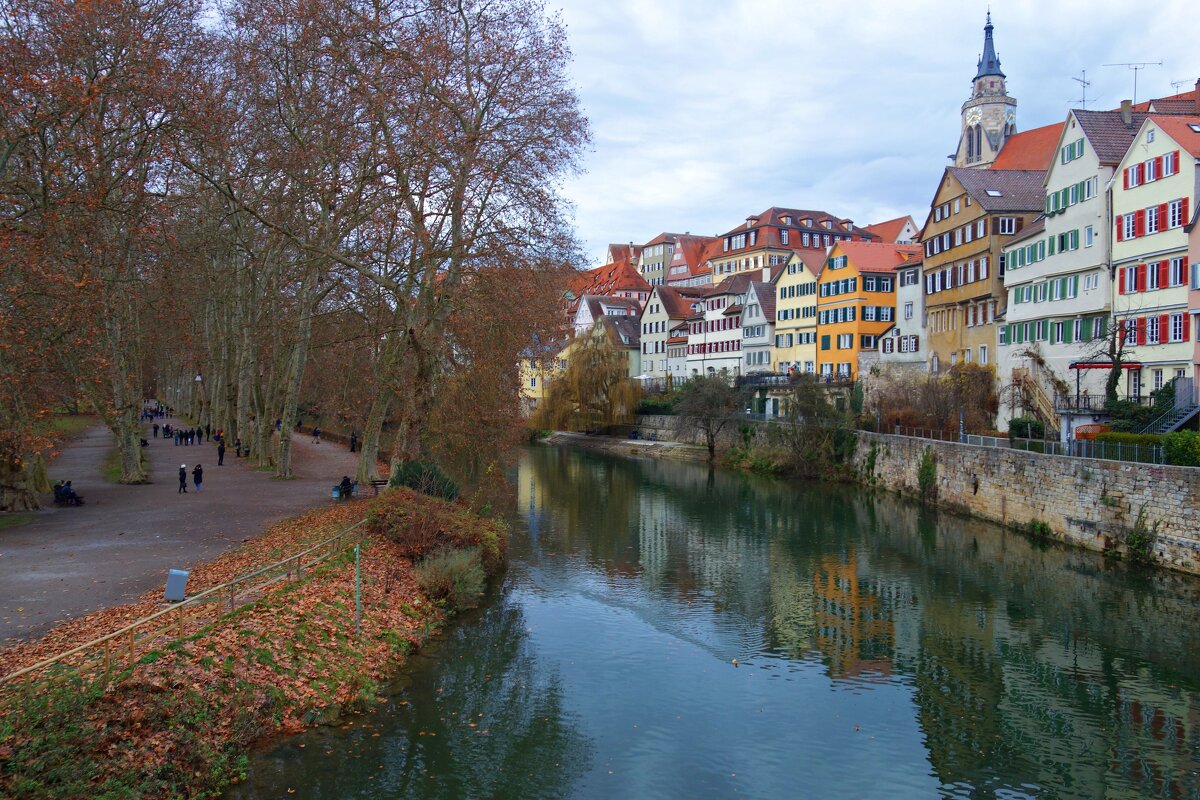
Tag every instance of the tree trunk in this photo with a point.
(16, 487)
(369, 453)
(291, 399)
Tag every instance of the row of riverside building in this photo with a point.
(1040, 250)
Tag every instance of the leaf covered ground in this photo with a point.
(177, 722)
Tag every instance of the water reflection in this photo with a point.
(881, 651)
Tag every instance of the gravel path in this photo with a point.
(73, 560)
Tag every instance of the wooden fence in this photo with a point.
(106, 655)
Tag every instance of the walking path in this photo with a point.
(74, 560)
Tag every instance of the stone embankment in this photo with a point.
(1086, 502)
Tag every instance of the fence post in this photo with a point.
(357, 591)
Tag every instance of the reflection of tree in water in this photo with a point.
(485, 722)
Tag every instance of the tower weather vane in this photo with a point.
(1136, 66)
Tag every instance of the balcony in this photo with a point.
(1085, 403)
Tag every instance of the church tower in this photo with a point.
(989, 117)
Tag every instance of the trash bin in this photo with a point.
(176, 585)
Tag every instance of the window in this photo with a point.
(1177, 327)
(979, 230)
(1152, 219)
(845, 341)
(1008, 225)
(1148, 171)
(783, 236)
(1152, 332)
(867, 342)
(1175, 271)
(908, 310)
(1128, 224)
(1175, 214)
(1089, 236)
(1170, 164)
(983, 354)
(1158, 379)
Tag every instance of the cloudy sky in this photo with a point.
(704, 112)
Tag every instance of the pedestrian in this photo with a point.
(155, 426)
(208, 432)
(353, 441)
(178, 437)
(316, 435)
(220, 454)
(237, 443)
(198, 476)
(182, 479)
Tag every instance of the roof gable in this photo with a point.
(1029, 150)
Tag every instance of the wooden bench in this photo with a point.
(378, 484)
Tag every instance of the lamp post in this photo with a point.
(199, 380)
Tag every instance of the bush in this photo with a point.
(661, 406)
(927, 475)
(423, 525)
(1182, 448)
(1140, 539)
(1026, 428)
(425, 478)
(1130, 438)
(456, 577)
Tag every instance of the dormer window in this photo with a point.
(786, 220)
(828, 224)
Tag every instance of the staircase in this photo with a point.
(1034, 396)
(1172, 420)
(1181, 413)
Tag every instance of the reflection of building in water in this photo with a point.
(853, 630)
(793, 603)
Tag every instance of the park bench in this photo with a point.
(378, 484)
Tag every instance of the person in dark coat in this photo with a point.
(198, 476)
(353, 441)
(155, 426)
(237, 444)
(220, 454)
(182, 479)
(345, 488)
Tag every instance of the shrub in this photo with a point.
(426, 478)
(1182, 448)
(1124, 437)
(422, 525)
(456, 577)
(662, 406)
(1026, 428)
(1140, 539)
(927, 475)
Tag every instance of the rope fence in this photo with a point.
(121, 648)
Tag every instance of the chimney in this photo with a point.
(1127, 113)
(1198, 95)
(766, 275)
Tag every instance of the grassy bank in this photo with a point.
(178, 722)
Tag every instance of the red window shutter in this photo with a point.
(1176, 162)
(1164, 275)
(1120, 232)
(1140, 278)
(1162, 217)
(1141, 330)
(1164, 328)
(1187, 322)
(1139, 222)
(1121, 280)
(1127, 169)
(1141, 173)
(1187, 217)
(1158, 166)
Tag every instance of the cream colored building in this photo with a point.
(667, 307)
(1153, 193)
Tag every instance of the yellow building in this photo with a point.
(796, 314)
(856, 302)
(537, 373)
(973, 215)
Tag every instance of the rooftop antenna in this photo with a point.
(1083, 84)
(1176, 84)
(1136, 66)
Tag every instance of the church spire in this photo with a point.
(989, 62)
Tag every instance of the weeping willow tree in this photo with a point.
(595, 389)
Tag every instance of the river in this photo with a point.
(664, 630)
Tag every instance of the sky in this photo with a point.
(705, 112)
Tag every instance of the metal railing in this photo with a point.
(123, 647)
(1076, 448)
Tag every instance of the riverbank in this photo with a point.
(180, 720)
(1139, 512)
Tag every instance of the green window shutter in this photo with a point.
(1052, 244)
(1047, 205)
(1075, 240)
(1069, 331)
(1085, 330)
(1075, 285)
(1080, 143)
(1082, 188)
(1062, 287)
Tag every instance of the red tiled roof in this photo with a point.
(879, 256)
(618, 276)
(1180, 129)
(1032, 149)
(889, 231)
(677, 300)
(772, 218)
(1173, 104)
(766, 299)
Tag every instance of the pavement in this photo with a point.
(69, 561)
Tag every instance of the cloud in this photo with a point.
(705, 112)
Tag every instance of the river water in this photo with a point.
(664, 630)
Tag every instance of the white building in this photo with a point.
(904, 344)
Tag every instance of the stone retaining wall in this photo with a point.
(1086, 502)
